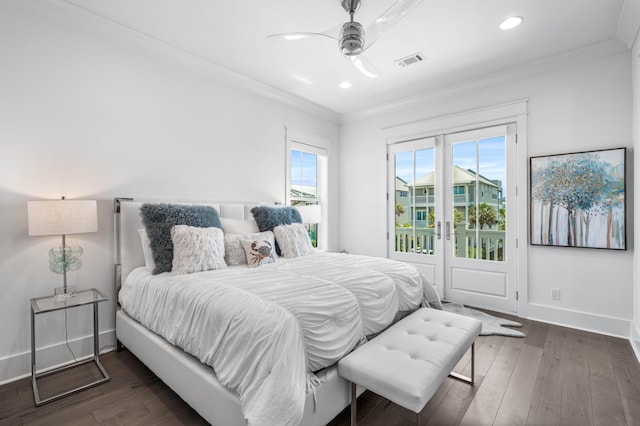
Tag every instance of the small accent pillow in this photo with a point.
(158, 219)
(234, 253)
(196, 249)
(238, 226)
(293, 240)
(146, 249)
(258, 252)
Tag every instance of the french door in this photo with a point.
(453, 212)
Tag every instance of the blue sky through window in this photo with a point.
(425, 161)
(304, 172)
(491, 155)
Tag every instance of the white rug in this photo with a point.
(490, 324)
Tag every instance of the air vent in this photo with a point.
(409, 60)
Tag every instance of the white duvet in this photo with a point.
(263, 329)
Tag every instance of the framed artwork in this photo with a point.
(578, 199)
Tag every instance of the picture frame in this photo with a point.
(579, 199)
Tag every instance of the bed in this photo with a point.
(293, 319)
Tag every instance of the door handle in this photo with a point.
(439, 230)
(448, 230)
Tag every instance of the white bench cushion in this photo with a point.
(409, 361)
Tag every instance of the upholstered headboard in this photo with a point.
(128, 248)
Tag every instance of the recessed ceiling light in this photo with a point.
(511, 22)
(345, 85)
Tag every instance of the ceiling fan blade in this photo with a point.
(388, 19)
(364, 65)
(293, 36)
(333, 33)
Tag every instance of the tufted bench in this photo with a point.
(409, 361)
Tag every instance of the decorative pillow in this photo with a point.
(258, 252)
(268, 217)
(158, 219)
(196, 249)
(234, 253)
(238, 226)
(293, 240)
(146, 249)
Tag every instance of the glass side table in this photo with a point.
(43, 305)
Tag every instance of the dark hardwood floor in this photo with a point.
(554, 376)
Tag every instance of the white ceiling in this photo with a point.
(460, 40)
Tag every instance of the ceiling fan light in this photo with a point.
(351, 39)
(511, 22)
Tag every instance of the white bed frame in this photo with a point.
(195, 382)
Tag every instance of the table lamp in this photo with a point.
(63, 217)
(311, 215)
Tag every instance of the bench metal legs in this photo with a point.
(453, 374)
(354, 404)
(463, 378)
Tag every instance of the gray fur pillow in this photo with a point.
(268, 218)
(158, 219)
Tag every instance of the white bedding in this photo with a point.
(263, 329)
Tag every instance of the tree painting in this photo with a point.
(578, 200)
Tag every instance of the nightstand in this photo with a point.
(43, 305)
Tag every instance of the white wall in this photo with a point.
(635, 327)
(91, 110)
(581, 101)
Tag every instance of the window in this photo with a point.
(307, 174)
(304, 178)
(458, 190)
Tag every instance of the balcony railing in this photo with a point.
(483, 244)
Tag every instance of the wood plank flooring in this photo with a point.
(554, 376)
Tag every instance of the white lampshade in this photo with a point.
(310, 214)
(62, 217)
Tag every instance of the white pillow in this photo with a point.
(238, 226)
(234, 253)
(146, 249)
(196, 249)
(293, 240)
(259, 252)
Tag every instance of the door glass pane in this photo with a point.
(479, 215)
(493, 177)
(415, 201)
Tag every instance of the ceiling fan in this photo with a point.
(351, 35)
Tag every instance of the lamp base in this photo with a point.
(64, 293)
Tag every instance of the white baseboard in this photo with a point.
(18, 366)
(611, 326)
(635, 339)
